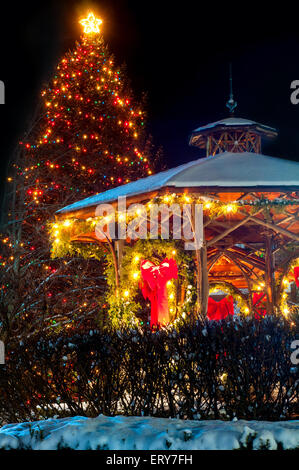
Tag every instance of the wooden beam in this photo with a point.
(275, 228)
(249, 259)
(288, 218)
(231, 229)
(223, 277)
(214, 260)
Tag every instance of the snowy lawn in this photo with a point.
(145, 433)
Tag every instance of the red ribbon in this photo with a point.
(153, 285)
(296, 275)
(259, 299)
(220, 310)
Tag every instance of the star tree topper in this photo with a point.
(91, 24)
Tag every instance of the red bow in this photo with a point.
(296, 275)
(259, 299)
(220, 310)
(154, 287)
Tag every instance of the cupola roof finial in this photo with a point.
(231, 103)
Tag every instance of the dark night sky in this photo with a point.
(177, 52)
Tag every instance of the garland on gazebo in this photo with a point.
(62, 232)
(123, 302)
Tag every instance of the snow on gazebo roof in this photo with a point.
(236, 122)
(226, 170)
(232, 123)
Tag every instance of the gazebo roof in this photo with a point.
(235, 122)
(226, 171)
(231, 123)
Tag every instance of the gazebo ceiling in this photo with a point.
(226, 172)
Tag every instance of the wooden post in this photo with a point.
(198, 281)
(269, 277)
(120, 251)
(293, 292)
(202, 279)
(115, 267)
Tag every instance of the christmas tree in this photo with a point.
(88, 136)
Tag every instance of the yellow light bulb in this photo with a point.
(286, 311)
(67, 223)
(126, 293)
(223, 377)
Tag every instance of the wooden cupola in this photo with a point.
(232, 134)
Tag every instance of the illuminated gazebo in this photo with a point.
(250, 215)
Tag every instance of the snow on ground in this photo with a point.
(145, 433)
